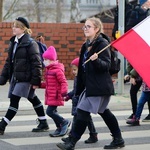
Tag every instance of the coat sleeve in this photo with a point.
(131, 71)
(36, 64)
(63, 81)
(5, 74)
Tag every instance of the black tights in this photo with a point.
(90, 124)
(83, 117)
(111, 123)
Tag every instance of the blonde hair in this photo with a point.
(97, 24)
(22, 26)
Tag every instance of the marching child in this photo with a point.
(71, 95)
(56, 87)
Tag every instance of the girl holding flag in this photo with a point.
(94, 86)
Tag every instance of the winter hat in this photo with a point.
(50, 53)
(75, 62)
(24, 21)
(142, 2)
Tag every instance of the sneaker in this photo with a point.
(56, 133)
(64, 127)
(133, 122)
(130, 117)
(147, 118)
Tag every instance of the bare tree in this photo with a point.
(59, 10)
(38, 10)
(10, 10)
(75, 11)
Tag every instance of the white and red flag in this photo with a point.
(134, 45)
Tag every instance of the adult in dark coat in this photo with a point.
(23, 69)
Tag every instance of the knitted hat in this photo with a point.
(142, 2)
(75, 62)
(24, 21)
(50, 53)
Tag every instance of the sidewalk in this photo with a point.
(118, 102)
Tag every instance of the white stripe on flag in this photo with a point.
(143, 30)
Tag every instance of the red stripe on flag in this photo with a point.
(136, 51)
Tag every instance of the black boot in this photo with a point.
(68, 145)
(67, 139)
(117, 142)
(92, 139)
(3, 125)
(43, 126)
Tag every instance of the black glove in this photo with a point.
(2, 80)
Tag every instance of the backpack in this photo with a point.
(137, 15)
(42, 49)
(115, 61)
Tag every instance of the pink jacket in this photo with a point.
(55, 84)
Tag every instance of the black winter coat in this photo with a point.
(26, 65)
(96, 78)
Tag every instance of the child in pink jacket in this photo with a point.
(56, 88)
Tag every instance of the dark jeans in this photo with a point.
(53, 113)
(145, 97)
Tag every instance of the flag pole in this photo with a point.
(97, 53)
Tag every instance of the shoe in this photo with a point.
(56, 133)
(116, 143)
(64, 127)
(43, 126)
(3, 125)
(68, 146)
(92, 139)
(133, 122)
(65, 140)
(130, 117)
(147, 118)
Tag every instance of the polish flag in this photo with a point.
(134, 45)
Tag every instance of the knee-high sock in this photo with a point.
(38, 107)
(13, 108)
